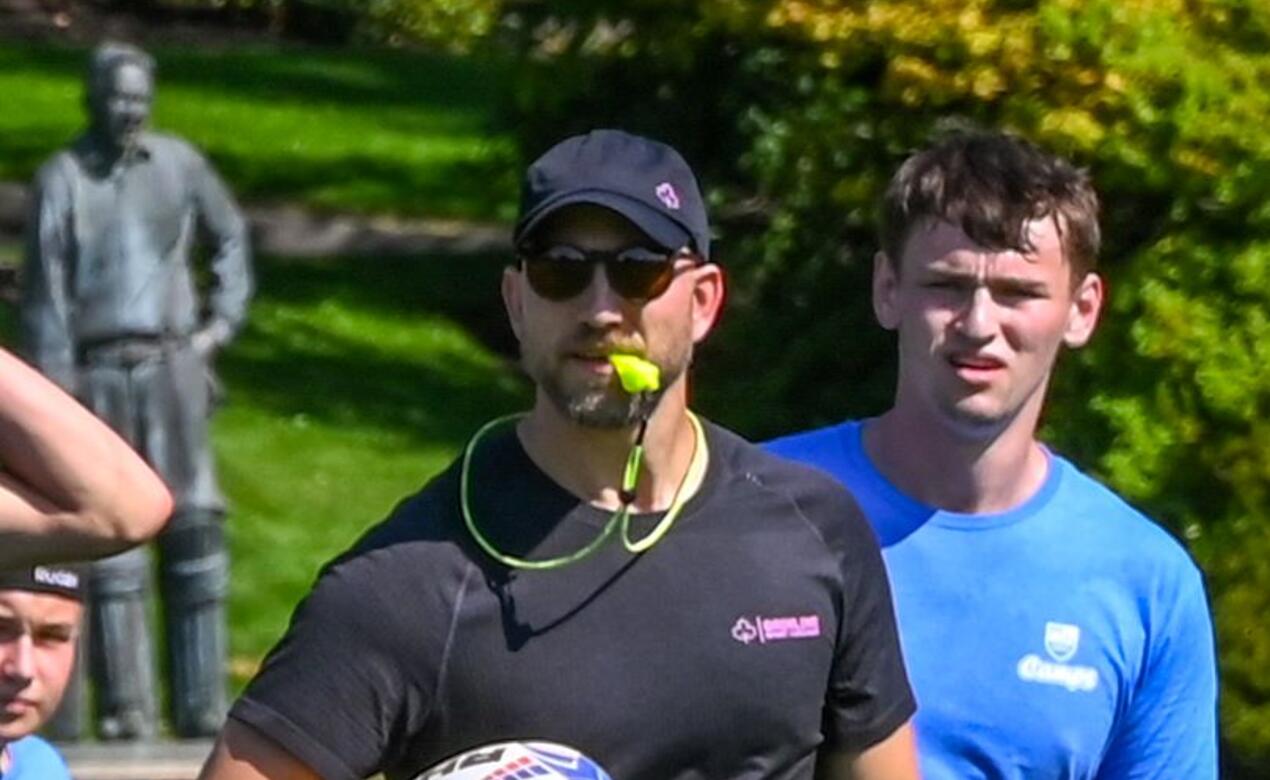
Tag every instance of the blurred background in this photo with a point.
(377, 143)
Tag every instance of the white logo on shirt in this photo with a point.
(744, 631)
(1061, 643)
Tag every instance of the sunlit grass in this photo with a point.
(356, 381)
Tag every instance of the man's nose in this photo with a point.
(17, 659)
(977, 318)
(602, 304)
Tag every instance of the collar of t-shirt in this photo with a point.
(895, 514)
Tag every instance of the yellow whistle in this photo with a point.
(636, 374)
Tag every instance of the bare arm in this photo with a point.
(242, 753)
(70, 488)
(894, 758)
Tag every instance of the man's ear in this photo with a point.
(885, 282)
(513, 298)
(1082, 318)
(708, 293)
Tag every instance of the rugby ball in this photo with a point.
(516, 760)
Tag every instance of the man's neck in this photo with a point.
(6, 760)
(939, 466)
(589, 462)
(108, 152)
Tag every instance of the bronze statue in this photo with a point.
(111, 311)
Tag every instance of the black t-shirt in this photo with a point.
(759, 628)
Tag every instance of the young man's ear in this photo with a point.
(1087, 300)
(885, 281)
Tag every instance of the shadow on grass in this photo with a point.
(368, 380)
(474, 188)
(348, 76)
(24, 151)
(373, 130)
(378, 185)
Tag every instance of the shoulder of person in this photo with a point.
(821, 447)
(174, 147)
(422, 527)
(822, 500)
(768, 465)
(1110, 521)
(59, 167)
(34, 752)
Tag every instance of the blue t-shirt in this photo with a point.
(31, 758)
(1066, 638)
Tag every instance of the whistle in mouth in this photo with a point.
(636, 374)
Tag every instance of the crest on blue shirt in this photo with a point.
(1061, 640)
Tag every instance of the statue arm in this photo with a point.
(70, 488)
(231, 262)
(47, 336)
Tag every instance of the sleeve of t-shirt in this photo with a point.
(35, 758)
(1170, 726)
(869, 695)
(335, 692)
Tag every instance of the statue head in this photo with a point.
(120, 90)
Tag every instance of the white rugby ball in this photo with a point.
(516, 760)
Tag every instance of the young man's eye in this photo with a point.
(1023, 293)
(53, 638)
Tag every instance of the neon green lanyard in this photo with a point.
(621, 517)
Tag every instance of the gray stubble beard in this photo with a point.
(607, 408)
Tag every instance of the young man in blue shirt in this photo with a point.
(40, 612)
(1050, 630)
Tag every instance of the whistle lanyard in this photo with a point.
(620, 517)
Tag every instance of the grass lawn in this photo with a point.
(356, 130)
(356, 381)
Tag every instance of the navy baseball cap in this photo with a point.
(60, 580)
(645, 181)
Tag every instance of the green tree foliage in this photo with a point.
(797, 112)
(443, 24)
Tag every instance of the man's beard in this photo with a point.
(609, 406)
(603, 407)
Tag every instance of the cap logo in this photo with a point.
(58, 578)
(667, 195)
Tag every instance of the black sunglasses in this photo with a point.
(636, 273)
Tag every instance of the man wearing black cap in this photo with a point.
(40, 612)
(70, 489)
(607, 571)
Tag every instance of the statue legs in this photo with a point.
(160, 404)
(195, 576)
(119, 647)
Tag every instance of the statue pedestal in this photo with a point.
(160, 760)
